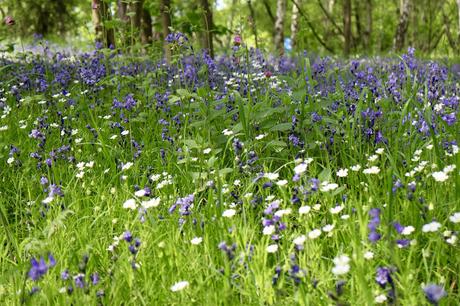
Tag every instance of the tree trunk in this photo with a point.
(135, 9)
(100, 11)
(208, 26)
(252, 22)
(403, 24)
(146, 28)
(368, 28)
(458, 33)
(347, 26)
(359, 30)
(279, 26)
(295, 24)
(165, 6)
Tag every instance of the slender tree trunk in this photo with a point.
(359, 29)
(252, 22)
(135, 9)
(269, 11)
(208, 25)
(458, 33)
(100, 12)
(403, 25)
(146, 27)
(347, 26)
(295, 24)
(165, 6)
(279, 26)
(368, 28)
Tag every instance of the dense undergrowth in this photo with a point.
(238, 180)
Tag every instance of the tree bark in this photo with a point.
(295, 24)
(347, 26)
(100, 12)
(279, 26)
(252, 22)
(458, 33)
(135, 9)
(403, 25)
(208, 26)
(146, 27)
(368, 28)
(165, 6)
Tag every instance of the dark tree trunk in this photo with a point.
(146, 28)
(279, 26)
(347, 26)
(359, 29)
(368, 28)
(165, 6)
(135, 10)
(208, 26)
(101, 12)
(403, 25)
(252, 22)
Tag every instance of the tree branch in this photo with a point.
(330, 18)
(312, 28)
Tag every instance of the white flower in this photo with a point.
(261, 136)
(380, 299)
(227, 132)
(207, 151)
(408, 230)
(304, 210)
(140, 193)
(368, 255)
(229, 213)
(449, 169)
(125, 132)
(336, 209)
(151, 203)
(127, 166)
(179, 286)
(283, 212)
(299, 240)
(80, 174)
(431, 227)
(196, 240)
(314, 234)
(455, 218)
(372, 170)
(326, 186)
(271, 176)
(328, 228)
(379, 151)
(342, 173)
(48, 200)
(282, 183)
(355, 168)
(341, 265)
(268, 230)
(272, 248)
(373, 158)
(300, 168)
(440, 176)
(130, 204)
(10, 160)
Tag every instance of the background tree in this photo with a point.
(279, 26)
(403, 24)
